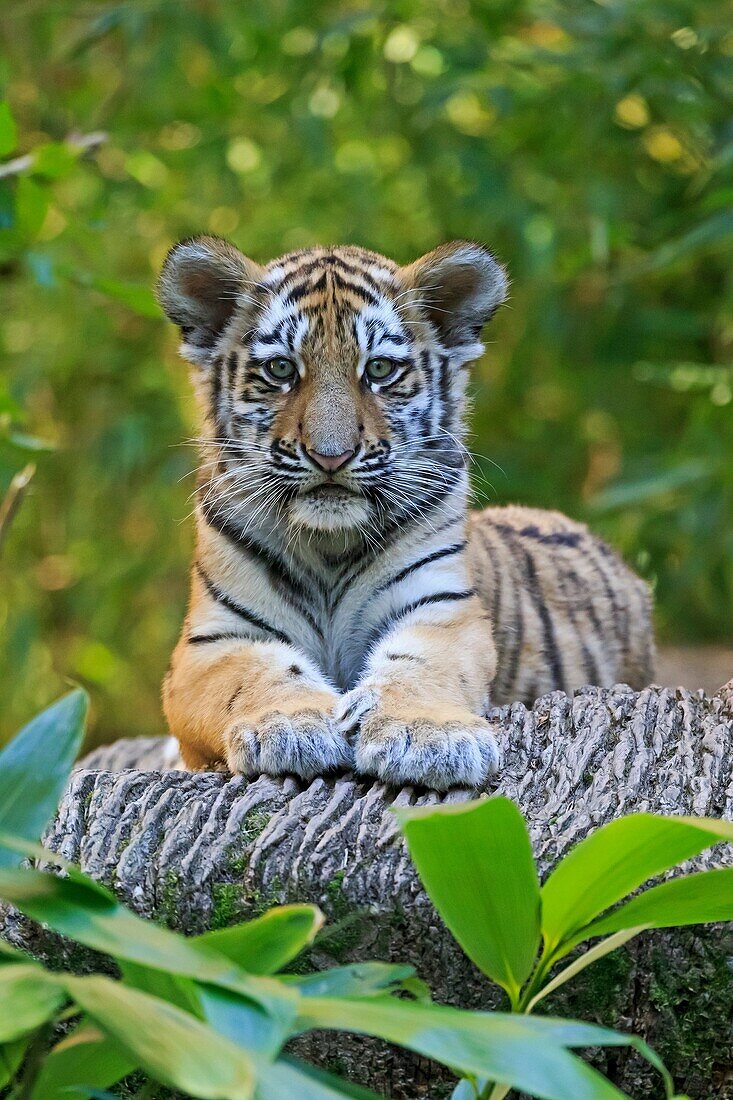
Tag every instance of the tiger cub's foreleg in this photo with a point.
(420, 702)
(254, 707)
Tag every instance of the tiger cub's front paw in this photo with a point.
(457, 749)
(306, 743)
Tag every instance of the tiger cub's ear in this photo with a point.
(203, 281)
(459, 286)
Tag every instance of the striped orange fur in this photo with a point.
(347, 609)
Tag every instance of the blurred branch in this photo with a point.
(13, 499)
(79, 143)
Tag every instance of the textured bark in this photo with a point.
(203, 850)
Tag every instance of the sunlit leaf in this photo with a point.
(266, 944)
(615, 859)
(171, 1045)
(475, 860)
(700, 898)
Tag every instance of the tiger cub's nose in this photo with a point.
(330, 463)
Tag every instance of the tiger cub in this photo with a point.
(346, 610)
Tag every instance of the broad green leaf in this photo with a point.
(475, 860)
(286, 1078)
(237, 1018)
(701, 898)
(369, 979)
(265, 945)
(86, 1057)
(169, 1044)
(8, 130)
(516, 1050)
(88, 913)
(28, 998)
(605, 947)
(174, 988)
(614, 860)
(29, 793)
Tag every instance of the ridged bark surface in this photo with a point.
(202, 850)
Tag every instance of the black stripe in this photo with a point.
(231, 605)
(549, 645)
(277, 570)
(394, 617)
(217, 370)
(203, 639)
(446, 552)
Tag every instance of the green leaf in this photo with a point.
(265, 945)
(54, 160)
(237, 1018)
(169, 1044)
(8, 130)
(31, 205)
(475, 860)
(29, 793)
(86, 912)
(86, 1057)
(466, 1090)
(29, 997)
(174, 988)
(701, 898)
(519, 1051)
(286, 1078)
(605, 947)
(11, 1058)
(614, 860)
(357, 980)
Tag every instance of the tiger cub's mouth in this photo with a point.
(329, 490)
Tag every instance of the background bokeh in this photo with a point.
(590, 144)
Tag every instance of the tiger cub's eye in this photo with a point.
(281, 369)
(379, 370)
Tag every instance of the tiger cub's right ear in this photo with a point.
(203, 281)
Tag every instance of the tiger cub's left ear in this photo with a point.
(459, 286)
(203, 282)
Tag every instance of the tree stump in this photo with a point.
(202, 850)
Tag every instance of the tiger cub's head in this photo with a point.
(330, 380)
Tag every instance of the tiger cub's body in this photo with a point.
(346, 609)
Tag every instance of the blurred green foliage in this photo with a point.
(590, 143)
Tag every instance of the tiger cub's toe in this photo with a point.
(458, 753)
(305, 744)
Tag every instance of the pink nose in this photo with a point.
(330, 463)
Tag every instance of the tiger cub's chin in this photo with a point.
(330, 511)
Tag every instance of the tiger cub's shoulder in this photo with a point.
(553, 587)
(552, 548)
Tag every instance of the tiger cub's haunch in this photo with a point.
(346, 609)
